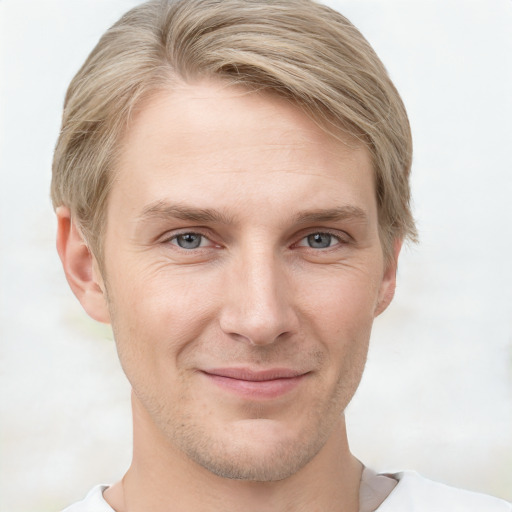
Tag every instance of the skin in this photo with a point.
(286, 278)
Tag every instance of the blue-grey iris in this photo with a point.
(319, 240)
(189, 240)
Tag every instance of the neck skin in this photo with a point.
(162, 477)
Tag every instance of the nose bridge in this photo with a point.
(257, 305)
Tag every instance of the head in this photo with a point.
(236, 176)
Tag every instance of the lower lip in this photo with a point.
(257, 389)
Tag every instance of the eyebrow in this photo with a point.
(341, 213)
(165, 210)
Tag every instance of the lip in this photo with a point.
(256, 384)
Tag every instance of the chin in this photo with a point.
(258, 450)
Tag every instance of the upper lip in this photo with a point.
(254, 375)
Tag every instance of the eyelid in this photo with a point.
(341, 236)
(173, 235)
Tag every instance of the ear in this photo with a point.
(388, 284)
(81, 267)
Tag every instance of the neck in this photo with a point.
(162, 477)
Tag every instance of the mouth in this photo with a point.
(260, 384)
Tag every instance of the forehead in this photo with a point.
(225, 147)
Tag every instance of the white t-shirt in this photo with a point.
(412, 493)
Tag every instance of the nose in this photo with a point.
(258, 300)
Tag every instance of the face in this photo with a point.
(243, 270)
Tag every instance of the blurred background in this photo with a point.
(437, 391)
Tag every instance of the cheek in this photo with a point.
(342, 301)
(156, 315)
(340, 314)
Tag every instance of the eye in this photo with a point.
(190, 240)
(319, 241)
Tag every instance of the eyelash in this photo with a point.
(341, 239)
(176, 236)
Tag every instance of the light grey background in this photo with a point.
(436, 395)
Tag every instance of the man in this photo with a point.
(231, 186)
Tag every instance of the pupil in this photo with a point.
(189, 241)
(319, 240)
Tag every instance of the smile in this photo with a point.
(266, 384)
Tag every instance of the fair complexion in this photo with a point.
(242, 272)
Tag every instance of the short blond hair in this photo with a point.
(298, 49)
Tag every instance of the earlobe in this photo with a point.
(388, 284)
(80, 267)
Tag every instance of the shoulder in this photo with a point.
(93, 502)
(414, 493)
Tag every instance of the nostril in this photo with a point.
(256, 329)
